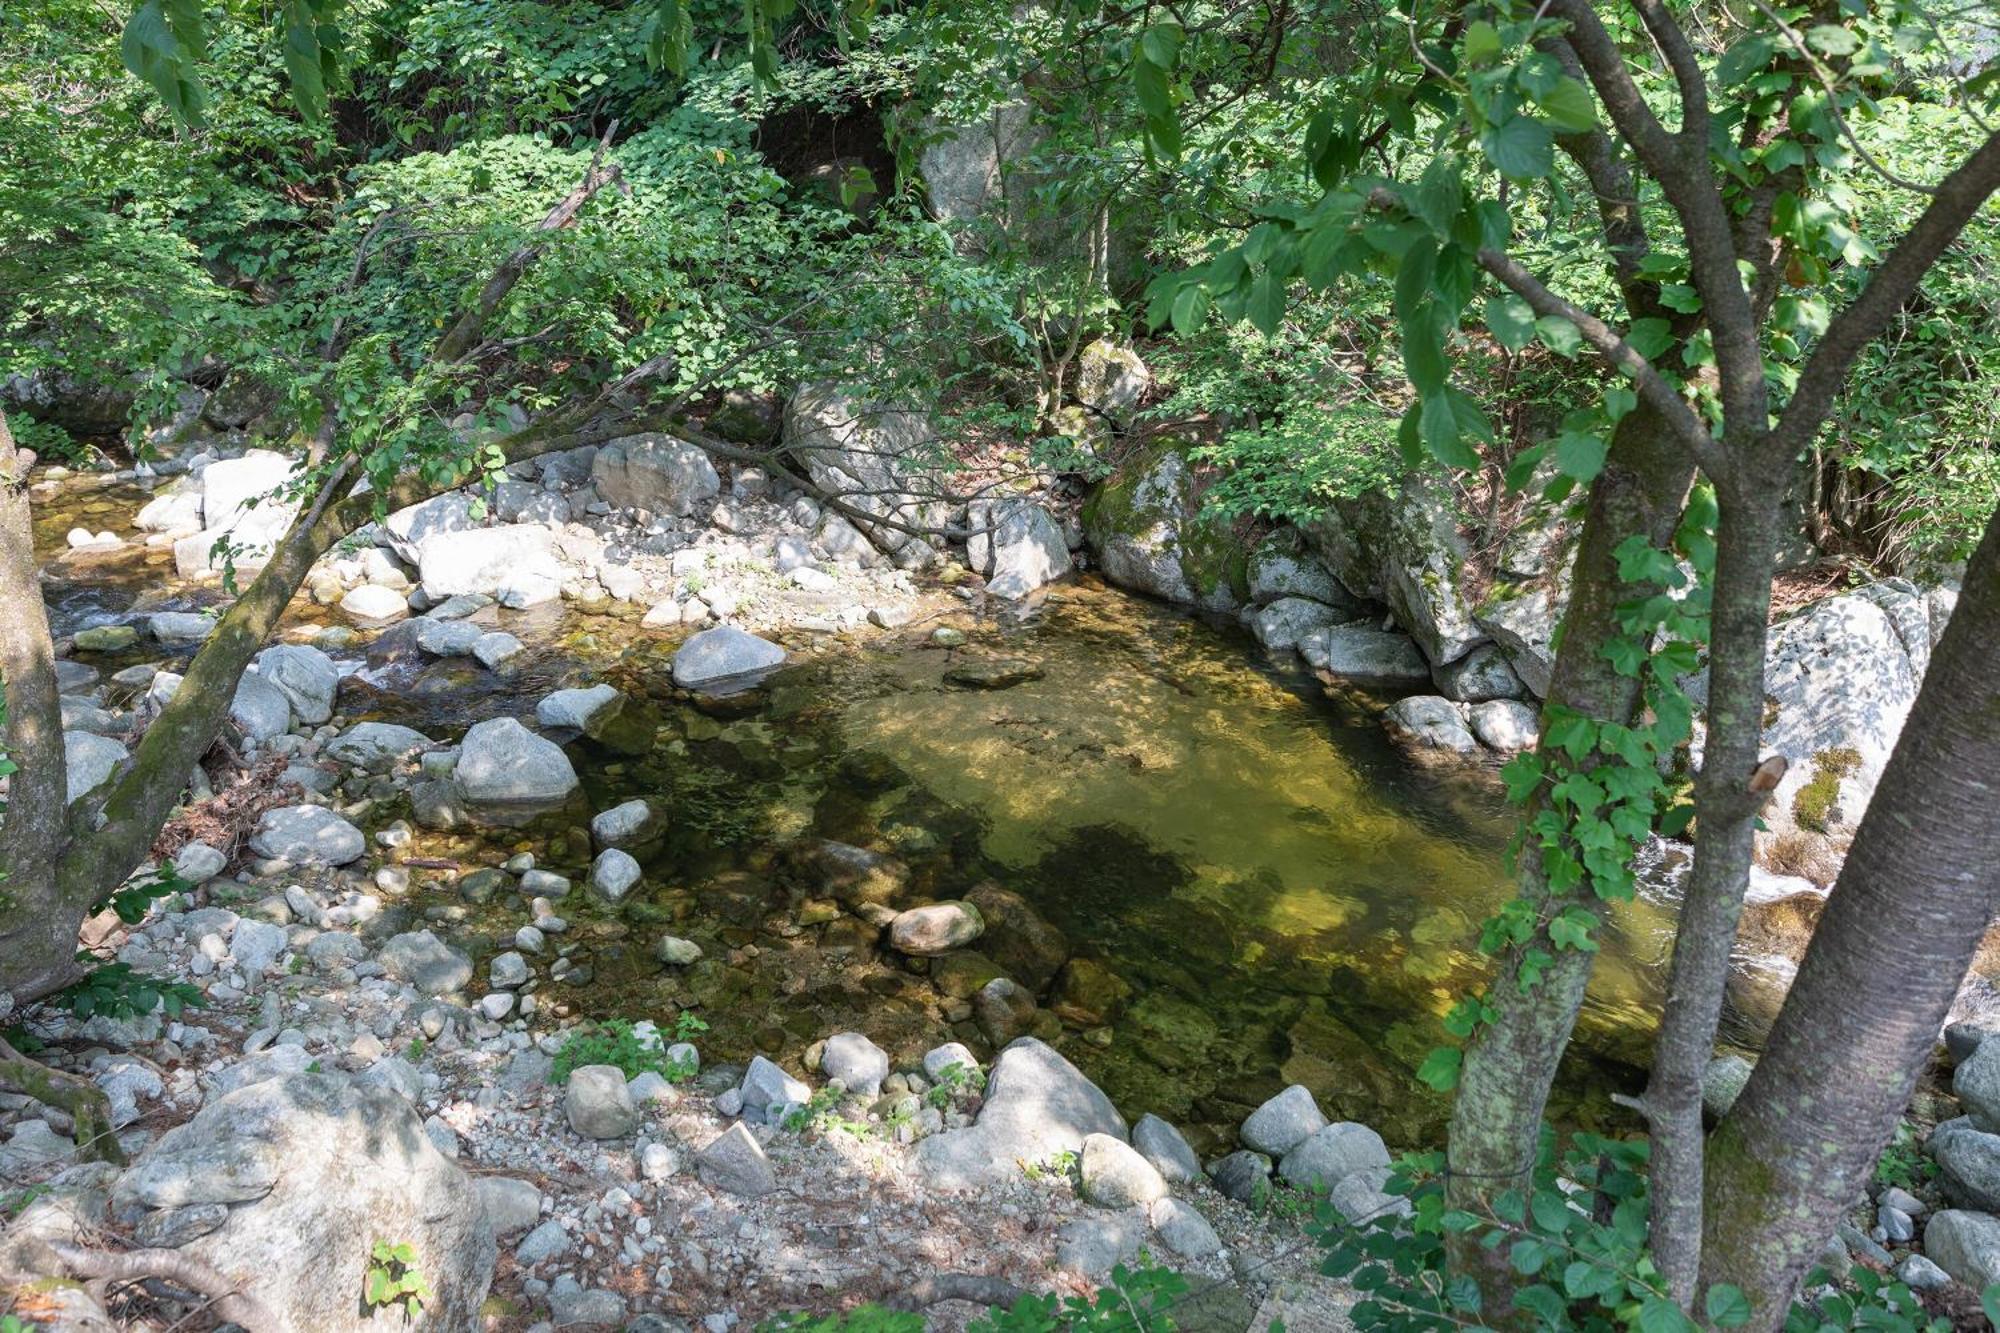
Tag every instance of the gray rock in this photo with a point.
(1284, 623)
(312, 1162)
(272, 1062)
(1152, 534)
(1722, 1083)
(1505, 725)
(1401, 545)
(447, 638)
(1965, 1245)
(1962, 1039)
(425, 962)
(88, 760)
(1898, 1227)
(1024, 550)
(571, 1306)
(655, 472)
(306, 676)
(367, 744)
(373, 602)
(857, 1062)
(1095, 1244)
(935, 928)
(613, 874)
(307, 835)
(876, 457)
(179, 626)
(734, 1161)
(198, 861)
(677, 952)
(574, 708)
(497, 649)
(511, 1204)
(627, 825)
(1920, 1274)
(1112, 1174)
(1366, 656)
(171, 1228)
(1361, 1198)
(1283, 1122)
(940, 1058)
(1282, 566)
(1333, 1154)
(1969, 1164)
(1481, 675)
(501, 765)
(259, 708)
(487, 561)
(1185, 1231)
(1037, 1104)
(1976, 1084)
(1428, 722)
(256, 946)
(598, 1103)
(767, 1090)
(547, 1241)
(507, 971)
(724, 656)
(1110, 379)
(1162, 1145)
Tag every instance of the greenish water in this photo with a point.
(1288, 899)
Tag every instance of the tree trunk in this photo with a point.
(1919, 888)
(1510, 1065)
(40, 956)
(1726, 805)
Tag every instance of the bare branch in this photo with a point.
(177, 1267)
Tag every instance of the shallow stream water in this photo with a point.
(1269, 892)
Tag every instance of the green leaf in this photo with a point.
(1161, 44)
(1482, 43)
(1740, 61)
(1521, 148)
(1439, 430)
(1568, 106)
(1830, 39)
(1580, 456)
(1190, 308)
(1267, 303)
(1728, 1307)
(1522, 775)
(1660, 1315)
(1559, 335)
(1440, 1068)
(1423, 356)
(1510, 320)
(1439, 193)
(1649, 337)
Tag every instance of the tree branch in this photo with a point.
(464, 335)
(230, 1301)
(1652, 386)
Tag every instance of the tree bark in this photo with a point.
(1920, 885)
(1510, 1064)
(1728, 801)
(40, 955)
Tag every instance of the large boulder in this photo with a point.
(654, 472)
(1968, 1161)
(1037, 1104)
(1430, 726)
(503, 767)
(1965, 1245)
(1401, 546)
(1530, 586)
(306, 677)
(408, 531)
(1363, 655)
(1151, 534)
(964, 166)
(1024, 549)
(426, 962)
(877, 458)
(1111, 379)
(487, 560)
(1839, 680)
(240, 497)
(1284, 565)
(300, 1176)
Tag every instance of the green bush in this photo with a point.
(615, 1042)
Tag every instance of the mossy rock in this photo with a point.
(1152, 534)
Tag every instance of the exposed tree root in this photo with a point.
(183, 1270)
(940, 1287)
(88, 1108)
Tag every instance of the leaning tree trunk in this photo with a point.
(1919, 888)
(38, 954)
(1729, 793)
(1509, 1067)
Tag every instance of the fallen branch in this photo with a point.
(181, 1269)
(941, 1287)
